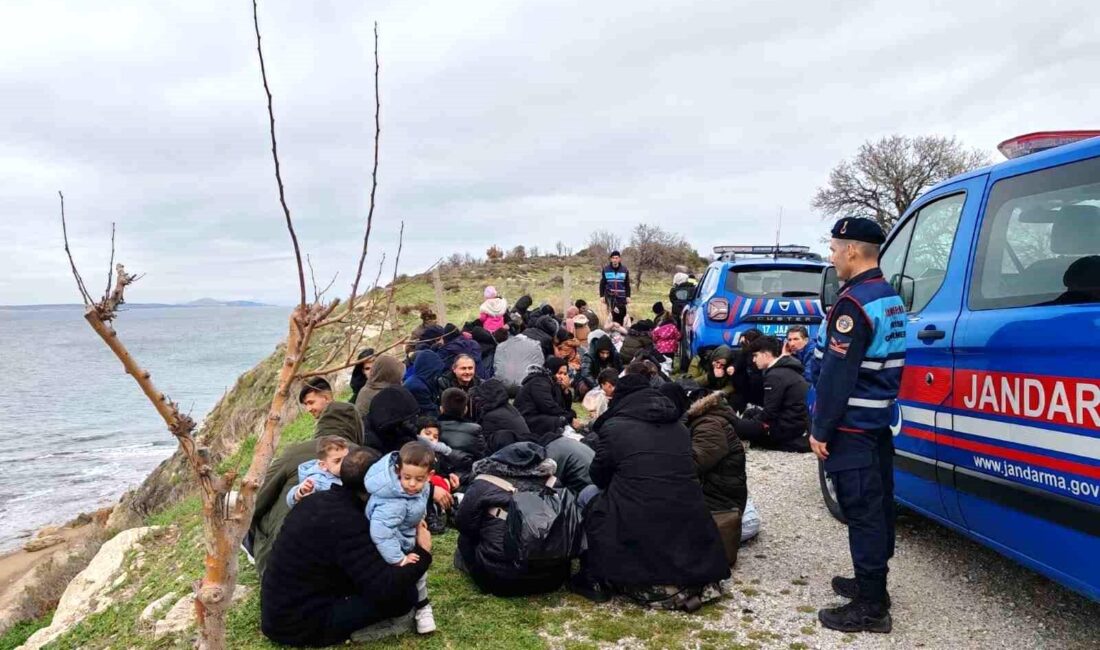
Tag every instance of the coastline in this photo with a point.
(19, 566)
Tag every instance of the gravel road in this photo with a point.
(948, 592)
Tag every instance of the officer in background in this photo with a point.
(861, 357)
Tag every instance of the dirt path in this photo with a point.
(948, 592)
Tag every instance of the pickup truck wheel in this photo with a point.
(828, 493)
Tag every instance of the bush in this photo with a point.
(517, 253)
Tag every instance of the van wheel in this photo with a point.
(828, 493)
(685, 355)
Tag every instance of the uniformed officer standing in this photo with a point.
(861, 355)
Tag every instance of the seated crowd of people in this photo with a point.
(478, 425)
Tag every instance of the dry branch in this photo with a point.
(373, 176)
(275, 156)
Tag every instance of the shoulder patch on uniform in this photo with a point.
(844, 324)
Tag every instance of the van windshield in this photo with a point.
(774, 282)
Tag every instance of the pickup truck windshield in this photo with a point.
(773, 282)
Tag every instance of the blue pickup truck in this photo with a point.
(768, 288)
(999, 434)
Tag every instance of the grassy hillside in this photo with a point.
(466, 618)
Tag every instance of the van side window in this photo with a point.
(915, 260)
(930, 248)
(1040, 240)
(892, 259)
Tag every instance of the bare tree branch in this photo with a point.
(393, 282)
(111, 264)
(373, 177)
(275, 156)
(76, 274)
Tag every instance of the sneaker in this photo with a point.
(386, 629)
(857, 616)
(593, 590)
(425, 620)
(849, 588)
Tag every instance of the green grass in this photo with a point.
(466, 617)
(18, 634)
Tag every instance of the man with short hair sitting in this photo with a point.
(783, 422)
(797, 346)
(325, 578)
(333, 419)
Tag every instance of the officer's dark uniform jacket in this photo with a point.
(615, 283)
(862, 354)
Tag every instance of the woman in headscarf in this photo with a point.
(360, 371)
(386, 372)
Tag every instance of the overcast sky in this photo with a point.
(503, 123)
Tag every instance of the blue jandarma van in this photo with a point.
(999, 434)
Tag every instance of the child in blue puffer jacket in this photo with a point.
(398, 487)
(321, 473)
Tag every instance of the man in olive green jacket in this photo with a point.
(333, 419)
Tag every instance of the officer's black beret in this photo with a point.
(858, 229)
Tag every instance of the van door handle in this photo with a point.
(931, 334)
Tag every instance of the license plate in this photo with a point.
(778, 330)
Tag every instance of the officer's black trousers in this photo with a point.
(866, 497)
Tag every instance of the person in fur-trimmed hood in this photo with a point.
(718, 453)
(480, 551)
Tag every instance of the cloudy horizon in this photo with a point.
(502, 123)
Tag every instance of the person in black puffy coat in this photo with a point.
(646, 520)
(458, 433)
(480, 551)
(783, 421)
(542, 400)
(501, 423)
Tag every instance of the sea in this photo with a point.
(76, 431)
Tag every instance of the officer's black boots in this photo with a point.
(857, 616)
(849, 588)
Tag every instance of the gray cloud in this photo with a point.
(503, 123)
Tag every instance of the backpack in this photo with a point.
(542, 526)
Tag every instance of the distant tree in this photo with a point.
(534, 251)
(456, 260)
(517, 253)
(562, 250)
(884, 177)
(653, 249)
(601, 243)
(494, 253)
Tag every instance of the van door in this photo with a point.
(919, 262)
(1025, 444)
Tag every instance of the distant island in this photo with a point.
(201, 302)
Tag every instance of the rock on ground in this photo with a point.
(86, 594)
(948, 591)
(43, 542)
(152, 610)
(182, 615)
